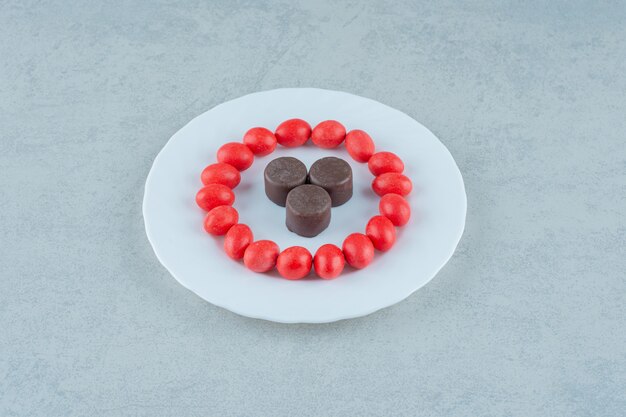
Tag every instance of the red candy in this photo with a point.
(260, 256)
(220, 173)
(260, 140)
(381, 232)
(395, 208)
(328, 134)
(383, 162)
(219, 220)
(358, 250)
(237, 240)
(328, 261)
(359, 145)
(392, 182)
(214, 195)
(294, 262)
(293, 132)
(236, 154)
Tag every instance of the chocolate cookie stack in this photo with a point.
(308, 198)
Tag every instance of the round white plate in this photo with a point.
(174, 222)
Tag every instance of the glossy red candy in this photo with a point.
(293, 132)
(358, 250)
(221, 173)
(392, 182)
(382, 162)
(294, 262)
(219, 220)
(328, 134)
(236, 154)
(359, 145)
(328, 261)
(237, 240)
(381, 232)
(260, 140)
(214, 195)
(260, 256)
(395, 208)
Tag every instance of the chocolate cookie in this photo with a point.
(335, 176)
(281, 176)
(308, 210)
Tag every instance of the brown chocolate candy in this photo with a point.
(308, 210)
(335, 176)
(281, 176)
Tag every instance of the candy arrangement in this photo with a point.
(307, 198)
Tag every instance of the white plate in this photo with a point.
(174, 222)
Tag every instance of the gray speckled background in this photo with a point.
(527, 319)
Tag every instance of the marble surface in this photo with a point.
(528, 317)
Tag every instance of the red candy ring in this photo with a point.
(296, 262)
